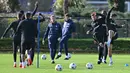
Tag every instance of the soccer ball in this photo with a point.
(43, 57)
(72, 66)
(89, 66)
(58, 67)
(69, 55)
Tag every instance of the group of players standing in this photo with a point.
(25, 32)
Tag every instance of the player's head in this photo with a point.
(113, 16)
(67, 16)
(28, 15)
(104, 12)
(19, 16)
(21, 11)
(52, 18)
(93, 16)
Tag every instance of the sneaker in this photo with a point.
(52, 62)
(29, 62)
(105, 62)
(99, 62)
(111, 63)
(58, 56)
(14, 65)
(23, 67)
(20, 65)
(66, 59)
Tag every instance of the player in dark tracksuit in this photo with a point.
(16, 38)
(31, 52)
(112, 32)
(33, 13)
(28, 28)
(98, 30)
(102, 16)
(53, 32)
(67, 30)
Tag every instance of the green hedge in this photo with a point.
(77, 45)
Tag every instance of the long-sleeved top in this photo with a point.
(28, 28)
(68, 28)
(53, 30)
(110, 22)
(97, 26)
(13, 25)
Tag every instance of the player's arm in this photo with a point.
(99, 14)
(108, 15)
(7, 29)
(35, 9)
(46, 33)
(117, 26)
(42, 18)
(19, 27)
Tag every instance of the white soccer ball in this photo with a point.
(72, 66)
(69, 55)
(43, 57)
(89, 66)
(58, 67)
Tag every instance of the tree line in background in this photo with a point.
(76, 5)
(76, 8)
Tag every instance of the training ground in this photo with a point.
(6, 64)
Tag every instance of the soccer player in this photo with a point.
(68, 30)
(103, 19)
(31, 52)
(28, 34)
(16, 38)
(112, 32)
(99, 32)
(53, 32)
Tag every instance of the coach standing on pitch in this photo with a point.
(28, 33)
(53, 32)
(67, 30)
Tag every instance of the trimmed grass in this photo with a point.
(6, 64)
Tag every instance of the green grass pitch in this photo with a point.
(6, 64)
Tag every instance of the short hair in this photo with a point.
(21, 11)
(93, 14)
(114, 15)
(28, 14)
(19, 15)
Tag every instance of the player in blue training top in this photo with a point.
(68, 30)
(53, 32)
